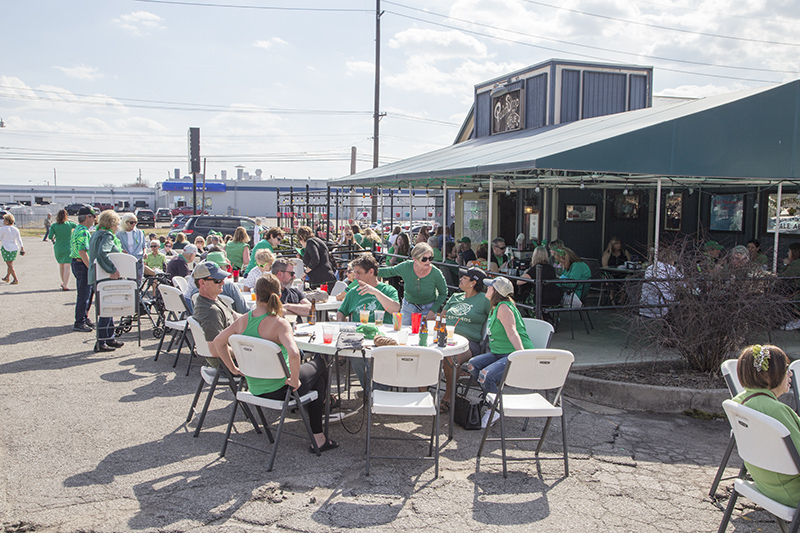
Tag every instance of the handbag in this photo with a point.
(468, 412)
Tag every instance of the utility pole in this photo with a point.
(377, 112)
(55, 183)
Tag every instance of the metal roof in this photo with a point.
(750, 135)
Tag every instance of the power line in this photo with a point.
(268, 8)
(660, 58)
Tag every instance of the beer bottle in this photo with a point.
(423, 333)
(312, 315)
(441, 333)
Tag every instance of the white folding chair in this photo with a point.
(794, 366)
(765, 443)
(208, 375)
(338, 288)
(540, 332)
(118, 298)
(531, 370)
(405, 367)
(174, 319)
(728, 369)
(180, 283)
(125, 264)
(262, 359)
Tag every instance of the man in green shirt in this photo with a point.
(79, 252)
(370, 293)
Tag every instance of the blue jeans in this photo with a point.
(407, 308)
(105, 328)
(487, 369)
(84, 290)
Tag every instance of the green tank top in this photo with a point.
(260, 386)
(498, 338)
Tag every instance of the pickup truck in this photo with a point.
(177, 211)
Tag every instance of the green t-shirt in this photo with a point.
(258, 386)
(437, 255)
(155, 260)
(235, 252)
(354, 302)
(498, 337)
(420, 291)
(79, 241)
(577, 270)
(61, 234)
(261, 244)
(470, 313)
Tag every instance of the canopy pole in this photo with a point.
(489, 226)
(410, 213)
(777, 229)
(658, 219)
(444, 221)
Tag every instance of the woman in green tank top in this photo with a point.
(507, 334)
(266, 322)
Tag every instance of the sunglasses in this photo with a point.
(290, 272)
(427, 258)
(154, 246)
(499, 247)
(217, 281)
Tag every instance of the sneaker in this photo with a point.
(103, 347)
(793, 325)
(82, 327)
(89, 323)
(115, 343)
(485, 420)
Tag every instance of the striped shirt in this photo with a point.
(79, 241)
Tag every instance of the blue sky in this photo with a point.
(99, 90)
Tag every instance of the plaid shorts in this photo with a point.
(8, 256)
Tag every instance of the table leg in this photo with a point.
(454, 363)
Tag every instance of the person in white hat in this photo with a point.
(507, 334)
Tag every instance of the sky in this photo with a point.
(99, 92)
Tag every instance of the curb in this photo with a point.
(636, 397)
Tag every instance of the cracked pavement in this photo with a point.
(97, 442)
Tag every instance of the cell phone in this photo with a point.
(22, 252)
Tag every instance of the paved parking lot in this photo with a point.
(97, 442)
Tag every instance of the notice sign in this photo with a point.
(507, 112)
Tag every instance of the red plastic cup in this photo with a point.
(324, 287)
(416, 322)
(235, 276)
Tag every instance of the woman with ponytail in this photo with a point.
(266, 322)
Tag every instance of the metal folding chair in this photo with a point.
(175, 321)
(735, 387)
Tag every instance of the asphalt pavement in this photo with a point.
(97, 442)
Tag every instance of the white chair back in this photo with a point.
(761, 440)
(200, 342)
(728, 369)
(540, 332)
(258, 358)
(180, 283)
(173, 299)
(299, 270)
(538, 369)
(124, 263)
(225, 300)
(338, 288)
(406, 366)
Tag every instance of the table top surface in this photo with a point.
(309, 338)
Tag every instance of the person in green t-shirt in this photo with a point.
(425, 290)
(155, 259)
(238, 249)
(507, 334)
(370, 294)
(273, 238)
(468, 311)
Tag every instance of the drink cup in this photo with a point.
(402, 336)
(416, 322)
(324, 287)
(398, 321)
(328, 332)
(292, 320)
(253, 296)
(379, 318)
(236, 276)
(363, 314)
(450, 332)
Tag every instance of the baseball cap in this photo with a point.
(501, 285)
(477, 275)
(190, 249)
(85, 211)
(465, 240)
(208, 269)
(713, 245)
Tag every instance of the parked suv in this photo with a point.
(72, 209)
(163, 215)
(145, 217)
(202, 224)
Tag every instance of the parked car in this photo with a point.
(179, 222)
(72, 209)
(145, 217)
(187, 210)
(98, 206)
(202, 224)
(163, 215)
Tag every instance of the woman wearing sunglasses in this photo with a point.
(133, 241)
(425, 290)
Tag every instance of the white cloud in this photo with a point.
(438, 44)
(140, 22)
(267, 44)
(360, 67)
(81, 72)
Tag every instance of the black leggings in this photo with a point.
(313, 376)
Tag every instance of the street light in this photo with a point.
(2, 124)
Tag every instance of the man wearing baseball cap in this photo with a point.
(212, 315)
(79, 252)
(507, 334)
(465, 253)
(179, 265)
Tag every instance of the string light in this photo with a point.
(672, 192)
(582, 185)
(537, 189)
(625, 192)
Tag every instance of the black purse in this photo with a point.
(468, 412)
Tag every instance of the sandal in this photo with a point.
(444, 406)
(5, 279)
(330, 445)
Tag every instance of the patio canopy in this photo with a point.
(747, 136)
